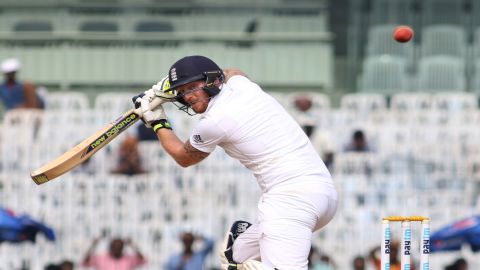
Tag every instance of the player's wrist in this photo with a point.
(159, 124)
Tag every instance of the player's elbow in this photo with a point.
(184, 163)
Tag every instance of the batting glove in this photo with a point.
(161, 90)
(154, 118)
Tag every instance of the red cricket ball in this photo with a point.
(403, 33)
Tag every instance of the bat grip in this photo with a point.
(157, 101)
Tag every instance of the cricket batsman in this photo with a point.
(298, 195)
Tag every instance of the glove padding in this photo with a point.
(161, 90)
(143, 100)
(148, 114)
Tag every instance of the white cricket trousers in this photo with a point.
(288, 215)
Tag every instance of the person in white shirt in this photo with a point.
(298, 197)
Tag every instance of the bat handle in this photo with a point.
(157, 101)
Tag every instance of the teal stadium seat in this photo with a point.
(444, 39)
(380, 42)
(475, 81)
(33, 26)
(153, 26)
(441, 73)
(384, 74)
(392, 12)
(292, 24)
(444, 12)
(99, 26)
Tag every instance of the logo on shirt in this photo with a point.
(197, 139)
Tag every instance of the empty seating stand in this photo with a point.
(441, 73)
(384, 74)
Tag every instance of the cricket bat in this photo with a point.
(87, 148)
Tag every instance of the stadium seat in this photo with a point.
(33, 26)
(475, 78)
(455, 102)
(392, 12)
(475, 13)
(67, 101)
(443, 11)
(153, 26)
(441, 73)
(444, 39)
(384, 74)
(17, 145)
(99, 26)
(406, 102)
(292, 24)
(363, 104)
(380, 42)
(110, 105)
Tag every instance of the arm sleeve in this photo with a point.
(207, 135)
(208, 247)
(91, 262)
(172, 263)
(138, 261)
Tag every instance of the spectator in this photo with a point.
(115, 259)
(318, 261)
(359, 263)
(459, 264)
(305, 117)
(189, 259)
(66, 265)
(15, 94)
(358, 143)
(52, 266)
(307, 121)
(375, 257)
(129, 161)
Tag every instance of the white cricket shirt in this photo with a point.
(254, 128)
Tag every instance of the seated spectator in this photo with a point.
(319, 261)
(129, 161)
(359, 263)
(307, 120)
(358, 143)
(15, 94)
(375, 257)
(51, 266)
(115, 258)
(458, 264)
(67, 265)
(189, 259)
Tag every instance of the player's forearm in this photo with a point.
(30, 96)
(174, 147)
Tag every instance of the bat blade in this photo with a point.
(84, 150)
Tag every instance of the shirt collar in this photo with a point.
(214, 99)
